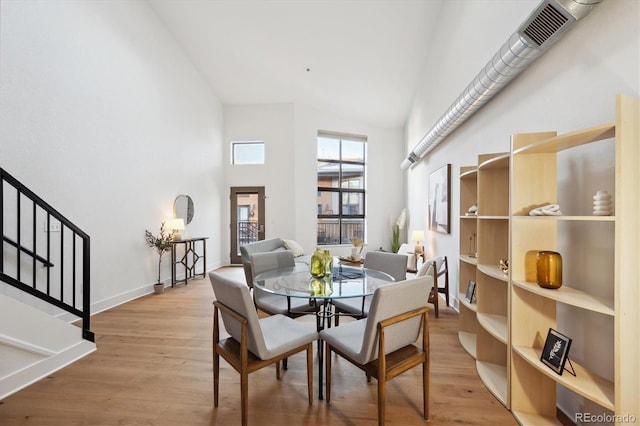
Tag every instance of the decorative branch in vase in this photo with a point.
(161, 244)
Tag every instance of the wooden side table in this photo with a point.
(190, 258)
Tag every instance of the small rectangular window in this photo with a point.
(247, 152)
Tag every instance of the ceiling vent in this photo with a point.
(545, 25)
(540, 30)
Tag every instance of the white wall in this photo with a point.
(289, 173)
(573, 85)
(103, 116)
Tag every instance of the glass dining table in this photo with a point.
(344, 282)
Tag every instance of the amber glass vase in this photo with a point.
(549, 269)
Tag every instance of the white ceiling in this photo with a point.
(361, 59)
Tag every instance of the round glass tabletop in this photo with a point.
(345, 281)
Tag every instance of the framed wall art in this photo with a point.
(440, 199)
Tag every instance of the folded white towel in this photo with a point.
(548, 210)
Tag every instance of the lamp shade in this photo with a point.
(417, 236)
(176, 224)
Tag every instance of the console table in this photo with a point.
(190, 257)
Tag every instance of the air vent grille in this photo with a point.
(545, 25)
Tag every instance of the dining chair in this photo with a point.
(393, 264)
(427, 270)
(442, 266)
(382, 345)
(272, 303)
(253, 343)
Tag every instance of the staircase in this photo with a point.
(44, 272)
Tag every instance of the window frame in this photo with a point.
(342, 190)
(257, 143)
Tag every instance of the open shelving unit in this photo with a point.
(599, 301)
(610, 300)
(492, 285)
(467, 258)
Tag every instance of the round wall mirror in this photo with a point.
(183, 208)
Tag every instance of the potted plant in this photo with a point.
(395, 231)
(161, 244)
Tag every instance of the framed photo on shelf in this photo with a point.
(556, 352)
(471, 292)
(439, 199)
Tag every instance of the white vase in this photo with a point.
(602, 204)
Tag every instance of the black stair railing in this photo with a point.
(50, 262)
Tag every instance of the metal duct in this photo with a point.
(536, 34)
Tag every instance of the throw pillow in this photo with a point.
(295, 248)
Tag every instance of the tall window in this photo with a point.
(341, 188)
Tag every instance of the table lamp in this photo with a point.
(418, 236)
(176, 225)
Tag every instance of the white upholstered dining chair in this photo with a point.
(382, 345)
(391, 263)
(272, 303)
(254, 343)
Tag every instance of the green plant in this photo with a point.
(395, 238)
(395, 230)
(161, 244)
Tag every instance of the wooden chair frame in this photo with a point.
(388, 366)
(444, 272)
(244, 362)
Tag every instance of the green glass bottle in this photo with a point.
(317, 264)
(328, 262)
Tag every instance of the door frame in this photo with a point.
(234, 191)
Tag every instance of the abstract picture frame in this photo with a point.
(439, 201)
(556, 352)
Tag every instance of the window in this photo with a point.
(247, 152)
(341, 188)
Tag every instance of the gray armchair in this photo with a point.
(382, 345)
(254, 343)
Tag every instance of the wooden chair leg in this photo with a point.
(382, 381)
(216, 376)
(425, 390)
(310, 372)
(327, 354)
(436, 298)
(446, 280)
(216, 357)
(244, 396)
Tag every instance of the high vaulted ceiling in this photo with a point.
(361, 59)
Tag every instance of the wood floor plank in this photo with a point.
(153, 367)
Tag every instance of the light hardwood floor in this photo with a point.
(153, 367)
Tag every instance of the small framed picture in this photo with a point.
(471, 292)
(556, 351)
